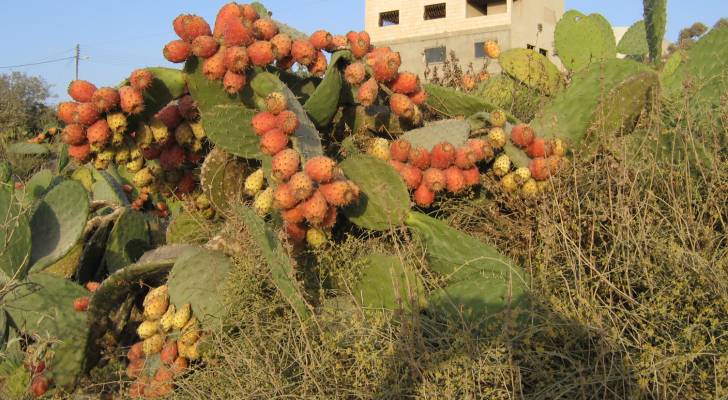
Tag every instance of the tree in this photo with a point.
(23, 108)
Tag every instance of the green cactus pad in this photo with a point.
(63, 159)
(128, 240)
(57, 223)
(84, 176)
(452, 103)
(705, 65)
(221, 178)
(36, 187)
(571, 113)
(169, 253)
(376, 118)
(45, 307)
(6, 172)
(582, 40)
(518, 157)
(655, 12)
(302, 87)
(67, 266)
(453, 131)
(107, 188)
(324, 102)
(188, 227)
(387, 283)
(168, 84)
(384, 201)
(29, 149)
(199, 277)
(498, 90)
(622, 106)
(634, 41)
(15, 237)
(277, 259)
(532, 69)
(90, 266)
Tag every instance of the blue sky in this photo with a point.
(120, 36)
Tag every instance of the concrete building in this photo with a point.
(425, 31)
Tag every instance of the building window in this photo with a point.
(435, 55)
(389, 18)
(481, 8)
(543, 52)
(530, 47)
(479, 50)
(435, 11)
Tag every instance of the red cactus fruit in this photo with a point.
(189, 27)
(187, 184)
(295, 215)
(472, 177)
(320, 169)
(285, 163)
(319, 65)
(236, 33)
(338, 193)
(442, 155)
(82, 91)
(234, 82)
(412, 176)
(402, 106)
(141, 79)
(188, 108)
(66, 111)
(355, 73)
(73, 134)
(399, 150)
(420, 158)
(368, 92)
(135, 368)
(330, 218)
(86, 114)
(419, 97)
(284, 198)
(282, 44)
(540, 147)
(424, 197)
(540, 169)
(39, 385)
(264, 122)
(170, 116)
(301, 185)
(228, 12)
(169, 352)
(303, 52)
(177, 51)
(163, 375)
(135, 351)
(482, 150)
(455, 181)
(214, 67)
(265, 29)
(285, 63)
(81, 303)
(172, 158)
(375, 53)
(405, 83)
(360, 43)
(249, 13)
(287, 121)
(522, 135)
(434, 179)
(314, 209)
(105, 99)
(321, 39)
(273, 142)
(92, 286)
(386, 67)
(99, 133)
(131, 100)
(465, 157)
(236, 59)
(397, 165)
(151, 152)
(179, 366)
(297, 233)
(80, 152)
(205, 46)
(261, 53)
(337, 42)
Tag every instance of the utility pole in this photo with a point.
(78, 56)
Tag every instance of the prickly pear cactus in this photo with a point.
(454, 131)
(277, 259)
(29, 149)
(634, 41)
(168, 84)
(324, 102)
(67, 266)
(582, 40)
(572, 112)
(36, 187)
(6, 173)
(107, 188)
(387, 283)
(15, 237)
(384, 201)
(221, 179)
(58, 223)
(128, 240)
(199, 277)
(655, 22)
(619, 110)
(45, 307)
(188, 227)
(532, 69)
(453, 103)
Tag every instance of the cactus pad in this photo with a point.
(108, 188)
(582, 40)
(384, 201)
(58, 223)
(188, 227)
(15, 238)
(324, 102)
(619, 110)
(655, 22)
(452, 103)
(387, 283)
(532, 69)
(128, 240)
(454, 131)
(221, 179)
(634, 41)
(29, 149)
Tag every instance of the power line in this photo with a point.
(38, 63)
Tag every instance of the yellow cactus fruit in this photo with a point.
(144, 136)
(135, 165)
(543, 186)
(208, 214)
(182, 316)
(190, 332)
(198, 130)
(502, 165)
(316, 237)
(379, 148)
(497, 138)
(167, 320)
(122, 156)
(202, 202)
(492, 49)
(196, 146)
(559, 147)
(509, 182)
(96, 148)
(183, 134)
(254, 182)
(153, 345)
(523, 174)
(498, 118)
(160, 132)
(135, 153)
(117, 139)
(107, 155)
(529, 189)
(156, 307)
(101, 164)
(117, 122)
(148, 329)
(263, 202)
(190, 352)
